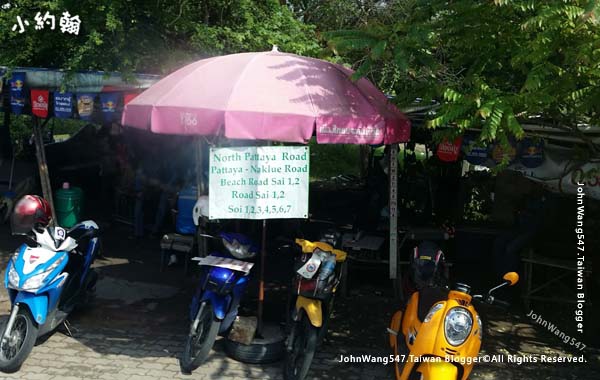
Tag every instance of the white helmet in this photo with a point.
(200, 208)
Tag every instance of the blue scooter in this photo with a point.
(46, 279)
(215, 304)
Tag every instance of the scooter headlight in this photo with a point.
(13, 277)
(432, 311)
(238, 250)
(457, 325)
(15, 255)
(480, 327)
(36, 282)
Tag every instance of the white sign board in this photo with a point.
(264, 182)
(559, 173)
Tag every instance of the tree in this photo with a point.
(492, 64)
(337, 14)
(245, 25)
(155, 36)
(148, 36)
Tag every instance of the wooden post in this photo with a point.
(393, 205)
(6, 141)
(40, 153)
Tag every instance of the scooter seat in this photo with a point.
(79, 232)
(428, 297)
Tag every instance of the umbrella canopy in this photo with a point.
(268, 96)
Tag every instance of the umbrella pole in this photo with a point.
(261, 281)
(200, 187)
(199, 164)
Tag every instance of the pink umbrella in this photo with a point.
(268, 96)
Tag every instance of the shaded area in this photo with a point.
(141, 317)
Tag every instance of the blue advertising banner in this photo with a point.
(17, 93)
(109, 101)
(63, 104)
(85, 106)
(531, 152)
(475, 155)
(499, 152)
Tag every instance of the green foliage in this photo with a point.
(329, 160)
(155, 36)
(492, 64)
(478, 205)
(247, 25)
(330, 15)
(21, 129)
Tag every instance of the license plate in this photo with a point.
(224, 262)
(309, 269)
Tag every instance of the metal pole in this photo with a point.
(393, 178)
(202, 244)
(200, 185)
(261, 283)
(40, 153)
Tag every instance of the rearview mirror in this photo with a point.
(511, 277)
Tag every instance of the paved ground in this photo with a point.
(140, 353)
(136, 331)
(117, 354)
(136, 328)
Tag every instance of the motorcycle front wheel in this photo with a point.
(304, 344)
(21, 339)
(200, 341)
(327, 312)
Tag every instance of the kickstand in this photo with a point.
(66, 324)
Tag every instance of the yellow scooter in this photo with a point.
(438, 335)
(317, 277)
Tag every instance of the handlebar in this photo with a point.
(284, 243)
(501, 303)
(91, 233)
(491, 300)
(427, 234)
(209, 236)
(336, 225)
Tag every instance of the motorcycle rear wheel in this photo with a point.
(17, 348)
(298, 360)
(89, 293)
(199, 343)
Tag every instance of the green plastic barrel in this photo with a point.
(68, 204)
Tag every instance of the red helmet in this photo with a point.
(31, 211)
